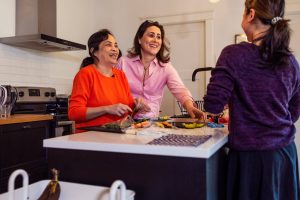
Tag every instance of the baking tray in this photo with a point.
(183, 120)
(178, 122)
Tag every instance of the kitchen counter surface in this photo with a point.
(21, 118)
(137, 144)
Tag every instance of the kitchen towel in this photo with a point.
(180, 140)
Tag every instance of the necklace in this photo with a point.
(146, 68)
(146, 74)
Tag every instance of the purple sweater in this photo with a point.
(263, 103)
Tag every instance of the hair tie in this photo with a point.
(275, 20)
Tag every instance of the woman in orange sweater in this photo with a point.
(101, 92)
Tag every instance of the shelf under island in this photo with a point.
(157, 172)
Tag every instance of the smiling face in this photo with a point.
(108, 51)
(151, 41)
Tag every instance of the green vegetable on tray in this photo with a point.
(112, 126)
(119, 124)
(193, 125)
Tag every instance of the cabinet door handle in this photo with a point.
(26, 126)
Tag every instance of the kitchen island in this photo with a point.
(157, 172)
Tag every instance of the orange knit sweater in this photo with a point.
(92, 89)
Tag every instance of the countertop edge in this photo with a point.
(192, 152)
(22, 118)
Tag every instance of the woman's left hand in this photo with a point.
(194, 112)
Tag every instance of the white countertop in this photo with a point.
(137, 144)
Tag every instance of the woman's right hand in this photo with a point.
(141, 106)
(118, 109)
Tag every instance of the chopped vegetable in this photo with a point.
(112, 126)
(214, 125)
(189, 125)
(192, 125)
(159, 124)
(141, 120)
(143, 124)
(200, 125)
(163, 118)
(167, 125)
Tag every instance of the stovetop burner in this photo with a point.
(41, 100)
(35, 94)
(44, 100)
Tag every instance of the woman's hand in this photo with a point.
(193, 111)
(141, 106)
(118, 109)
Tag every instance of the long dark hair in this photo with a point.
(163, 54)
(274, 45)
(93, 46)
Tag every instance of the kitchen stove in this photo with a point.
(44, 100)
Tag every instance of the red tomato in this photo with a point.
(223, 120)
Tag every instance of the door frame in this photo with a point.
(292, 8)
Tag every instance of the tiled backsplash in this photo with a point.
(24, 67)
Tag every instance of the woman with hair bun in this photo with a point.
(260, 81)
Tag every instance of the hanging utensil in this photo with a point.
(3, 95)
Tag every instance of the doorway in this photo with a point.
(191, 38)
(187, 43)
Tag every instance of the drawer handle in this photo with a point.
(26, 126)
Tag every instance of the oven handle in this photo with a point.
(64, 123)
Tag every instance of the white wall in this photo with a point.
(7, 16)
(124, 17)
(76, 21)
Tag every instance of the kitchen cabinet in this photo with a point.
(21, 147)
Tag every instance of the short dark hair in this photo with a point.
(164, 53)
(274, 46)
(93, 46)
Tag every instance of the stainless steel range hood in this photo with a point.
(36, 28)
